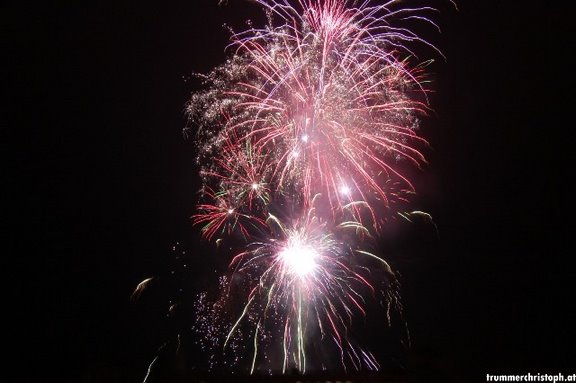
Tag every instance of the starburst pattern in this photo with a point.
(303, 136)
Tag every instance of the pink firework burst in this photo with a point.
(309, 280)
(311, 119)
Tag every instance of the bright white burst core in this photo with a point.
(299, 258)
(344, 190)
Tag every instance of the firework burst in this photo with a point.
(302, 135)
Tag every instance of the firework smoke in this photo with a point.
(302, 135)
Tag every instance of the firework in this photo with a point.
(303, 134)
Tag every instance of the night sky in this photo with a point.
(99, 184)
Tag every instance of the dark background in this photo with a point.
(98, 185)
